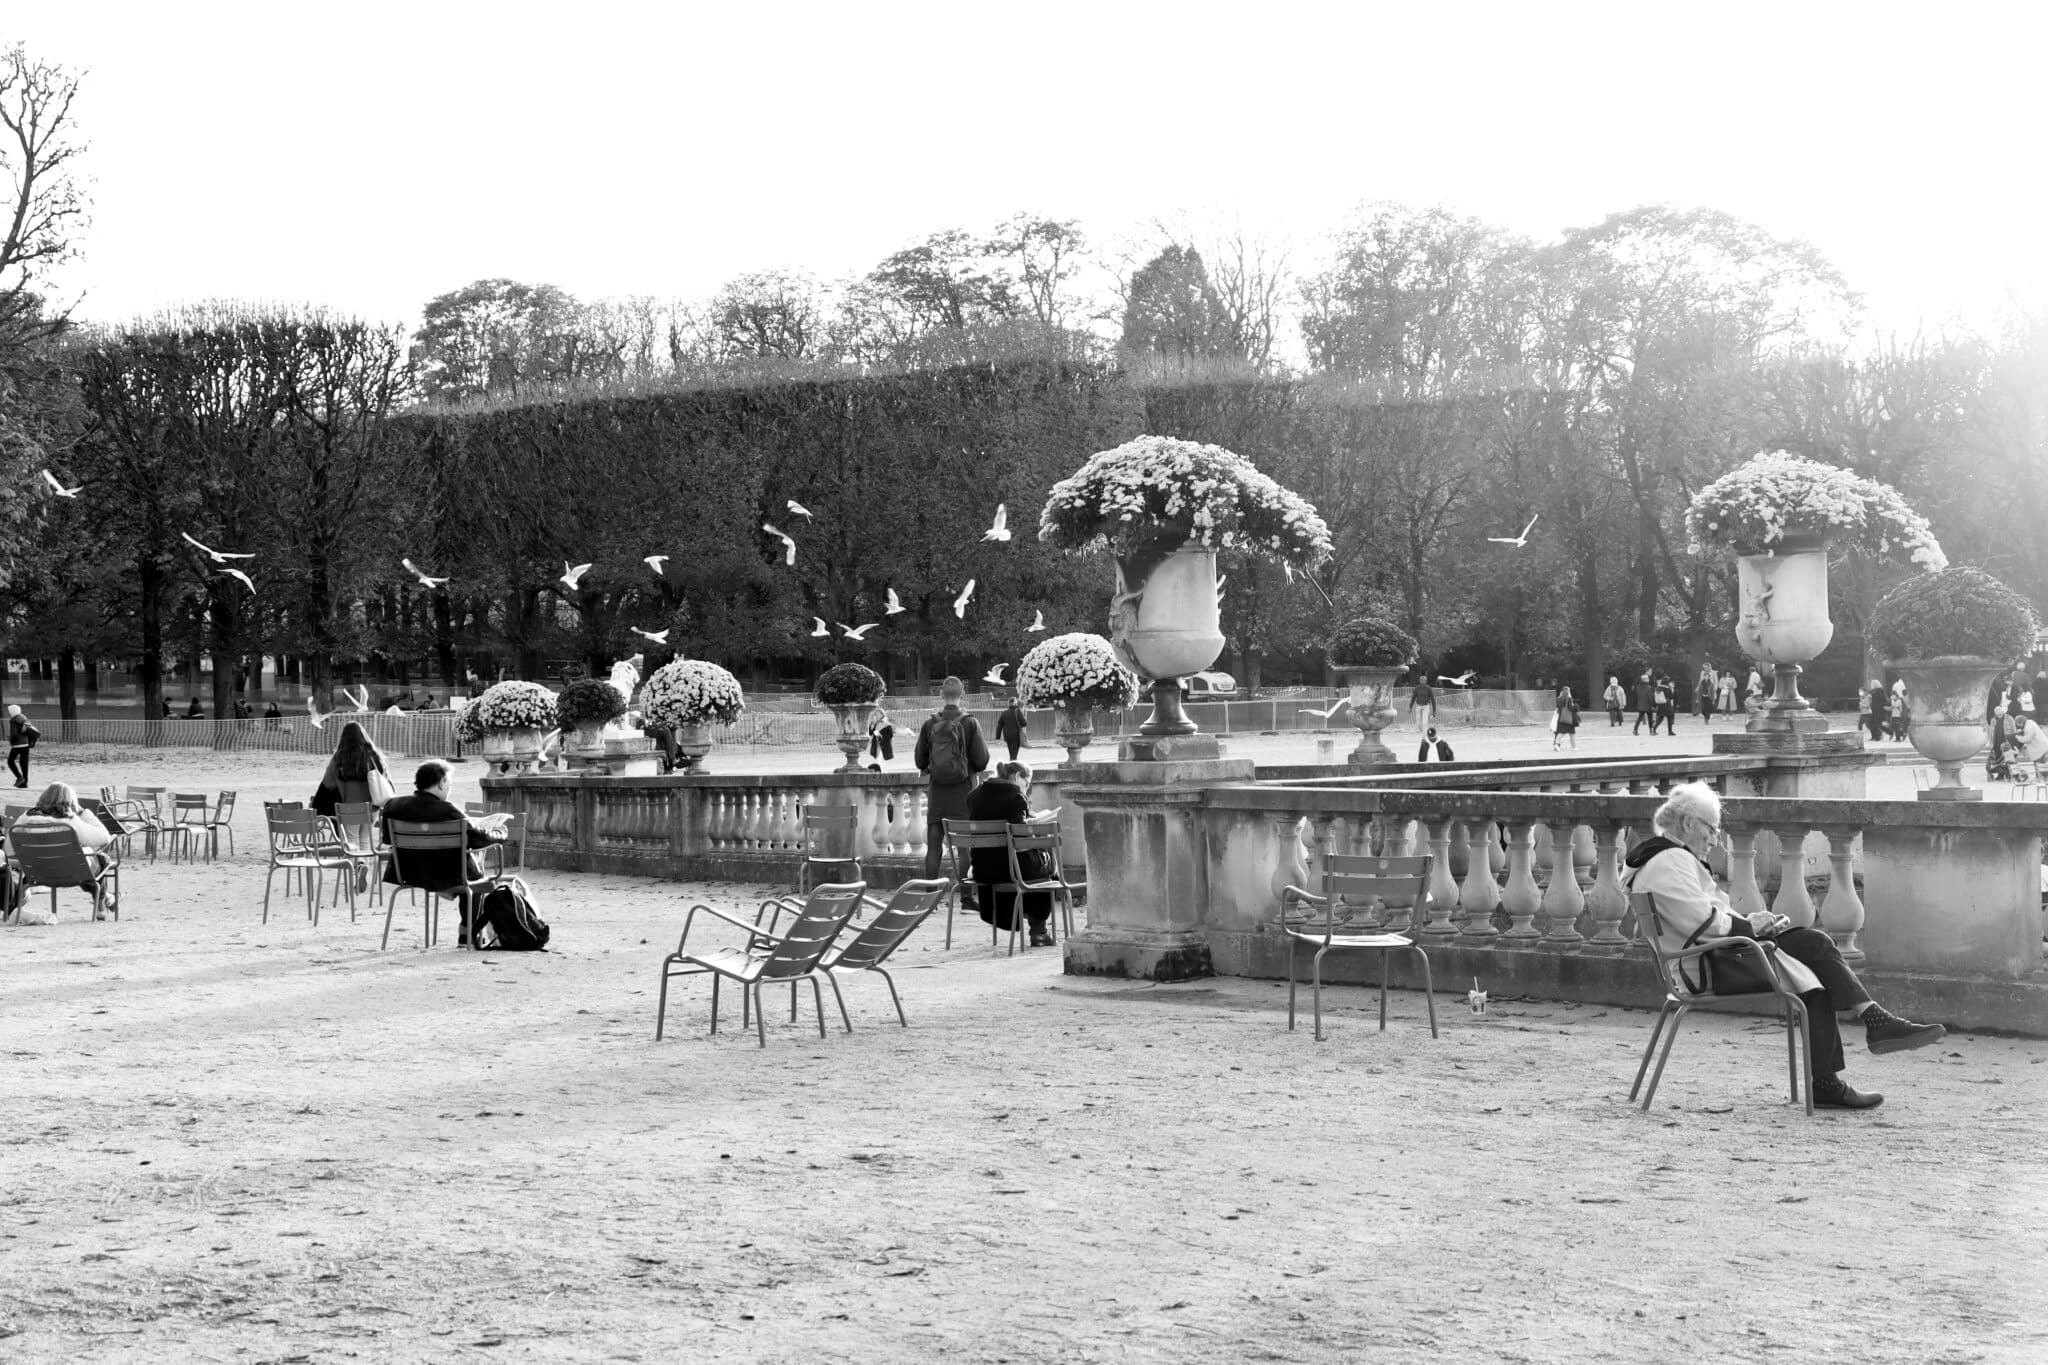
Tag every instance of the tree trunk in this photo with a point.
(444, 639)
(1592, 623)
(67, 684)
(149, 668)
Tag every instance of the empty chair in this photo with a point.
(219, 821)
(910, 905)
(303, 842)
(829, 843)
(50, 855)
(1352, 884)
(963, 837)
(1038, 845)
(190, 812)
(432, 856)
(145, 804)
(768, 956)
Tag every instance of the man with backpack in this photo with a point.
(952, 754)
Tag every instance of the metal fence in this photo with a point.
(421, 733)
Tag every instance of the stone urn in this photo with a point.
(1372, 710)
(1949, 696)
(1073, 727)
(692, 742)
(513, 751)
(1165, 623)
(585, 742)
(852, 736)
(1783, 620)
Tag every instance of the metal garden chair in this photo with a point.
(417, 837)
(829, 842)
(910, 905)
(768, 957)
(51, 856)
(1043, 837)
(302, 842)
(1351, 885)
(962, 838)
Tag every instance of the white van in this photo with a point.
(1209, 685)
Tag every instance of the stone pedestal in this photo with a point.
(1176, 749)
(1148, 889)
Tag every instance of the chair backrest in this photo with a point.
(189, 808)
(284, 805)
(445, 837)
(358, 819)
(829, 833)
(1650, 928)
(1042, 837)
(909, 906)
(51, 854)
(804, 944)
(967, 835)
(293, 828)
(224, 808)
(1372, 884)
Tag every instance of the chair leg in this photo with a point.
(760, 1018)
(894, 999)
(1428, 988)
(1650, 1050)
(844, 1018)
(267, 878)
(661, 1002)
(792, 1001)
(1663, 1057)
(818, 1003)
(1797, 1009)
(714, 1002)
(1316, 989)
(1292, 943)
(389, 907)
(1383, 990)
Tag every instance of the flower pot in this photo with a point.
(852, 738)
(1783, 620)
(1949, 696)
(585, 741)
(1073, 727)
(513, 751)
(693, 742)
(1167, 627)
(1372, 710)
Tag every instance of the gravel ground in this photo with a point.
(230, 1141)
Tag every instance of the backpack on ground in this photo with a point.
(507, 914)
(949, 750)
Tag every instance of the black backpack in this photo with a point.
(507, 912)
(949, 750)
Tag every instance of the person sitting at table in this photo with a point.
(59, 806)
(436, 867)
(1005, 797)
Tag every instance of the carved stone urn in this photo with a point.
(1783, 620)
(1166, 627)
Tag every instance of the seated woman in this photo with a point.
(1004, 797)
(347, 778)
(58, 806)
(1672, 868)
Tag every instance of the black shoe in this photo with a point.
(1886, 1032)
(1835, 1093)
(1041, 940)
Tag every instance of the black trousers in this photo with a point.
(1839, 990)
(1641, 716)
(1013, 745)
(17, 763)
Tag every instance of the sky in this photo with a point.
(366, 156)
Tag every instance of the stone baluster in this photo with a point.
(916, 805)
(717, 812)
(742, 818)
(764, 820)
(1461, 852)
(1745, 897)
(1496, 852)
(792, 820)
(1481, 892)
(1582, 856)
(1443, 888)
(1792, 901)
(1841, 910)
(1563, 901)
(1521, 898)
(1605, 900)
(876, 817)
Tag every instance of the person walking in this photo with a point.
(1753, 698)
(881, 738)
(1010, 727)
(1878, 707)
(21, 737)
(952, 754)
(1645, 703)
(1703, 692)
(1429, 742)
(1899, 709)
(1665, 694)
(1616, 700)
(1422, 704)
(1565, 720)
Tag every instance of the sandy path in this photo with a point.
(228, 1141)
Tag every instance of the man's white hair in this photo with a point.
(1695, 799)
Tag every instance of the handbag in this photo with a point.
(381, 789)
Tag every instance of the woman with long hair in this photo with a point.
(59, 806)
(348, 769)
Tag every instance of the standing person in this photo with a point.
(1430, 741)
(1005, 797)
(881, 738)
(1703, 692)
(1422, 704)
(347, 777)
(1645, 704)
(1753, 698)
(273, 719)
(1566, 720)
(1010, 727)
(1879, 703)
(1724, 699)
(1666, 696)
(21, 737)
(952, 754)
(1616, 699)
(1899, 709)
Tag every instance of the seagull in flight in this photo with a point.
(247, 582)
(655, 562)
(799, 509)
(572, 574)
(426, 579)
(819, 630)
(995, 675)
(1517, 541)
(789, 546)
(59, 489)
(314, 711)
(999, 529)
(960, 602)
(1462, 680)
(218, 556)
(895, 604)
(1037, 620)
(360, 702)
(857, 632)
(659, 637)
(1342, 702)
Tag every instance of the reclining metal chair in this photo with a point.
(767, 956)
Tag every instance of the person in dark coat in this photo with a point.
(429, 803)
(1645, 703)
(1879, 714)
(1430, 741)
(347, 776)
(881, 738)
(1006, 797)
(1665, 695)
(193, 712)
(1010, 726)
(21, 738)
(951, 739)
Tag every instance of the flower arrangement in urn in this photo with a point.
(515, 706)
(686, 698)
(850, 690)
(588, 702)
(1370, 651)
(1775, 495)
(469, 726)
(1075, 673)
(1950, 634)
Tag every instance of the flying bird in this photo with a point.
(572, 574)
(655, 562)
(799, 509)
(659, 637)
(789, 546)
(1037, 620)
(247, 582)
(426, 579)
(1462, 680)
(895, 604)
(1517, 541)
(857, 632)
(999, 529)
(314, 711)
(995, 675)
(960, 602)
(218, 556)
(59, 489)
(1342, 702)
(819, 629)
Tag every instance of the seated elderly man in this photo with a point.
(1672, 868)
